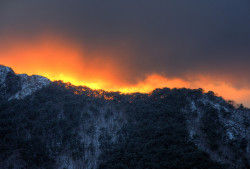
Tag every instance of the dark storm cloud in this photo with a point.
(175, 38)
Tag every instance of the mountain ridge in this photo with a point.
(83, 128)
(25, 85)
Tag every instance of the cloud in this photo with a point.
(175, 39)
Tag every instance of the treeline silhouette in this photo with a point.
(153, 133)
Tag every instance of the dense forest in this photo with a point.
(73, 127)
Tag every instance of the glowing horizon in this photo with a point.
(57, 59)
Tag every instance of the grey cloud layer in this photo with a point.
(169, 37)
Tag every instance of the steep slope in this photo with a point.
(18, 86)
(55, 128)
(57, 125)
(220, 129)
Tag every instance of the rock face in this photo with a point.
(18, 86)
(215, 126)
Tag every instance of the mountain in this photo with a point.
(18, 86)
(57, 125)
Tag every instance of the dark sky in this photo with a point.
(174, 38)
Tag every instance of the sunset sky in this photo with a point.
(131, 45)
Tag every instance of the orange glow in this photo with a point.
(61, 59)
(57, 59)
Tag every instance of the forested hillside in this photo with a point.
(62, 126)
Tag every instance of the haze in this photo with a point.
(130, 45)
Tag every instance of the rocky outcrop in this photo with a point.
(18, 86)
(218, 128)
